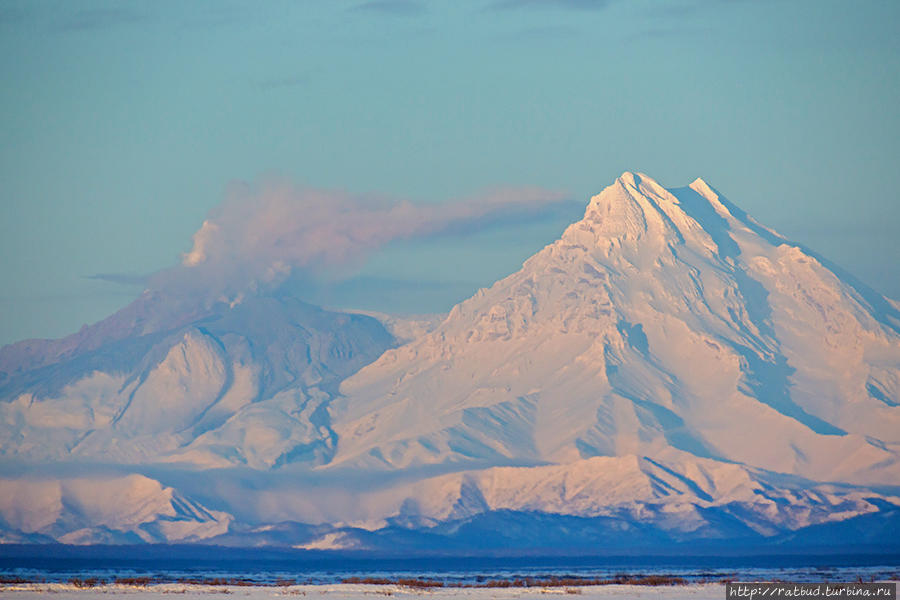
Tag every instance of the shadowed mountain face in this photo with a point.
(669, 368)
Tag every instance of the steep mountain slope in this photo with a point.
(244, 384)
(668, 371)
(662, 320)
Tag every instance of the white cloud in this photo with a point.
(263, 234)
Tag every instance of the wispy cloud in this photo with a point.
(12, 15)
(264, 234)
(284, 82)
(678, 9)
(100, 18)
(217, 15)
(120, 278)
(667, 33)
(547, 32)
(567, 4)
(400, 8)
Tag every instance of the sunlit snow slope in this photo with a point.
(241, 385)
(668, 371)
(662, 321)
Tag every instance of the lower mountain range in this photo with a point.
(669, 373)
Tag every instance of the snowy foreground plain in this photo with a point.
(62, 591)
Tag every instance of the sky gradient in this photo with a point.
(125, 125)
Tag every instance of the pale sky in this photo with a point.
(125, 123)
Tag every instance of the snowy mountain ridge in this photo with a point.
(575, 354)
(668, 369)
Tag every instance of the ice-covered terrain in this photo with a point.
(668, 371)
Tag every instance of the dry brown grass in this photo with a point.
(136, 581)
(405, 582)
(523, 582)
(87, 582)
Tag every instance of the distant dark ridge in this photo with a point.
(701, 555)
(431, 578)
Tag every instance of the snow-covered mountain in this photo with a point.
(240, 385)
(108, 510)
(669, 370)
(662, 320)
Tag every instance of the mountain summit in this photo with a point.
(669, 370)
(663, 320)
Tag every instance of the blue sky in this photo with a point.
(124, 124)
